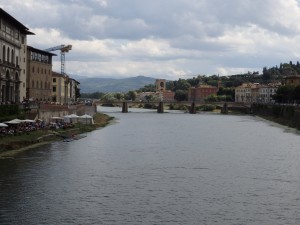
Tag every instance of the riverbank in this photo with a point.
(13, 145)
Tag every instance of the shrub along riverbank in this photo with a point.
(11, 145)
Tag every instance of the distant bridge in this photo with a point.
(191, 104)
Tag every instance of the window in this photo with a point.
(4, 53)
(54, 80)
(54, 89)
(8, 54)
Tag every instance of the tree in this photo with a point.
(108, 98)
(297, 93)
(285, 94)
(119, 96)
(182, 84)
(181, 95)
(130, 95)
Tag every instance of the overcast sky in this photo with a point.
(168, 39)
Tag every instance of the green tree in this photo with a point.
(297, 93)
(182, 84)
(130, 95)
(181, 95)
(285, 94)
(119, 96)
(108, 98)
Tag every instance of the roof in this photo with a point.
(40, 51)
(55, 74)
(15, 22)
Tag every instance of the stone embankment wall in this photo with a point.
(47, 111)
(286, 114)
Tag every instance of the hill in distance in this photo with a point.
(106, 85)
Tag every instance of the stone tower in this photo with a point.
(160, 85)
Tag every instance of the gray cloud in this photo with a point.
(170, 38)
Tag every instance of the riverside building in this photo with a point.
(13, 47)
(39, 74)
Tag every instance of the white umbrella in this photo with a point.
(3, 125)
(28, 121)
(14, 121)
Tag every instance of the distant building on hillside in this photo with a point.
(292, 80)
(201, 92)
(13, 44)
(255, 92)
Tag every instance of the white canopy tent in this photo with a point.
(71, 118)
(86, 119)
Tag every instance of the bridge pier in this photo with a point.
(160, 108)
(193, 108)
(124, 107)
(225, 109)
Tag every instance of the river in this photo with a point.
(150, 168)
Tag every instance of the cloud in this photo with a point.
(170, 38)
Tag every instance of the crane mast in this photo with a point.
(63, 49)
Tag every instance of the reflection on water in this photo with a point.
(154, 168)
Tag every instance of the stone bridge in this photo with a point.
(191, 104)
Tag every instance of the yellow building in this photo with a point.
(39, 74)
(60, 88)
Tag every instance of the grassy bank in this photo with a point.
(14, 144)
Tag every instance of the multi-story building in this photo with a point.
(60, 88)
(255, 92)
(201, 92)
(13, 41)
(74, 90)
(39, 74)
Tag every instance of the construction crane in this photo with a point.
(63, 49)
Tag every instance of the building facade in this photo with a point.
(13, 41)
(39, 74)
(60, 88)
(292, 80)
(201, 92)
(255, 92)
(74, 90)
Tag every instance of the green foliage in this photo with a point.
(285, 94)
(147, 88)
(108, 98)
(130, 95)
(206, 108)
(95, 95)
(178, 107)
(8, 112)
(181, 95)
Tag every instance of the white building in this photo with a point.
(255, 92)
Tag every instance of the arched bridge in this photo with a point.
(191, 104)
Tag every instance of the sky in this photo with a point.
(167, 39)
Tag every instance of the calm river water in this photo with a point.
(149, 168)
